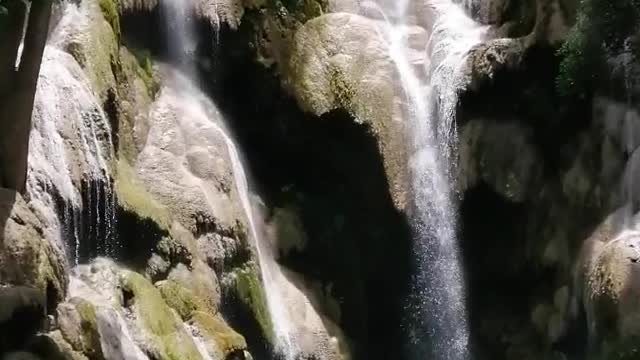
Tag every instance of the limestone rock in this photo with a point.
(27, 256)
(500, 154)
(165, 336)
(612, 287)
(214, 11)
(201, 281)
(185, 163)
(341, 61)
(79, 326)
(21, 355)
(89, 37)
(607, 275)
(22, 314)
(56, 347)
(130, 316)
(219, 337)
(489, 58)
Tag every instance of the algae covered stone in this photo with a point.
(216, 329)
(181, 299)
(167, 338)
(78, 325)
(249, 291)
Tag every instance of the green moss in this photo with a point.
(145, 70)
(181, 299)
(215, 328)
(89, 325)
(250, 292)
(158, 320)
(132, 196)
(109, 10)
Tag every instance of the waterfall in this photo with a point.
(203, 114)
(70, 147)
(436, 311)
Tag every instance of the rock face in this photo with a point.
(339, 61)
(26, 259)
(309, 90)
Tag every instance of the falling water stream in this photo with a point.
(182, 45)
(437, 320)
(69, 150)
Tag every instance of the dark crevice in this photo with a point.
(242, 319)
(529, 95)
(327, 167)
(330, 169)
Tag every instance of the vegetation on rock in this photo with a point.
(181, 299)
(602, 29)
(109, 10)
(133, 196)
(250, 292)
(215, 328)
(169, 339)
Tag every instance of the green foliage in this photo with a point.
(601, 28)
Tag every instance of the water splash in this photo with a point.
(437, 306)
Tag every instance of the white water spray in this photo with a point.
(202, 113)
(438, 303)
(70, 146)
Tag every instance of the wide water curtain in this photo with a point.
(69, 179)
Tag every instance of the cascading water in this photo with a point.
(437, 308)
(202, 113)
(71, 188)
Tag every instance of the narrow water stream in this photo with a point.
(437, 318)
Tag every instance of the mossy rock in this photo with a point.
(250, 293)
(180, 298)
(27, 256)
(144, 70)
(79, 327)
(109, 10)
(133, 196)
(136, 90)
(53, 346)
(216, 329)
(168, 338)
(97, 50)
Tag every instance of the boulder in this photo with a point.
(608, 276)
(501, 154)
(27, 256)
(79, 326)
(341, 61)
(22, 315)
(185, 163)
